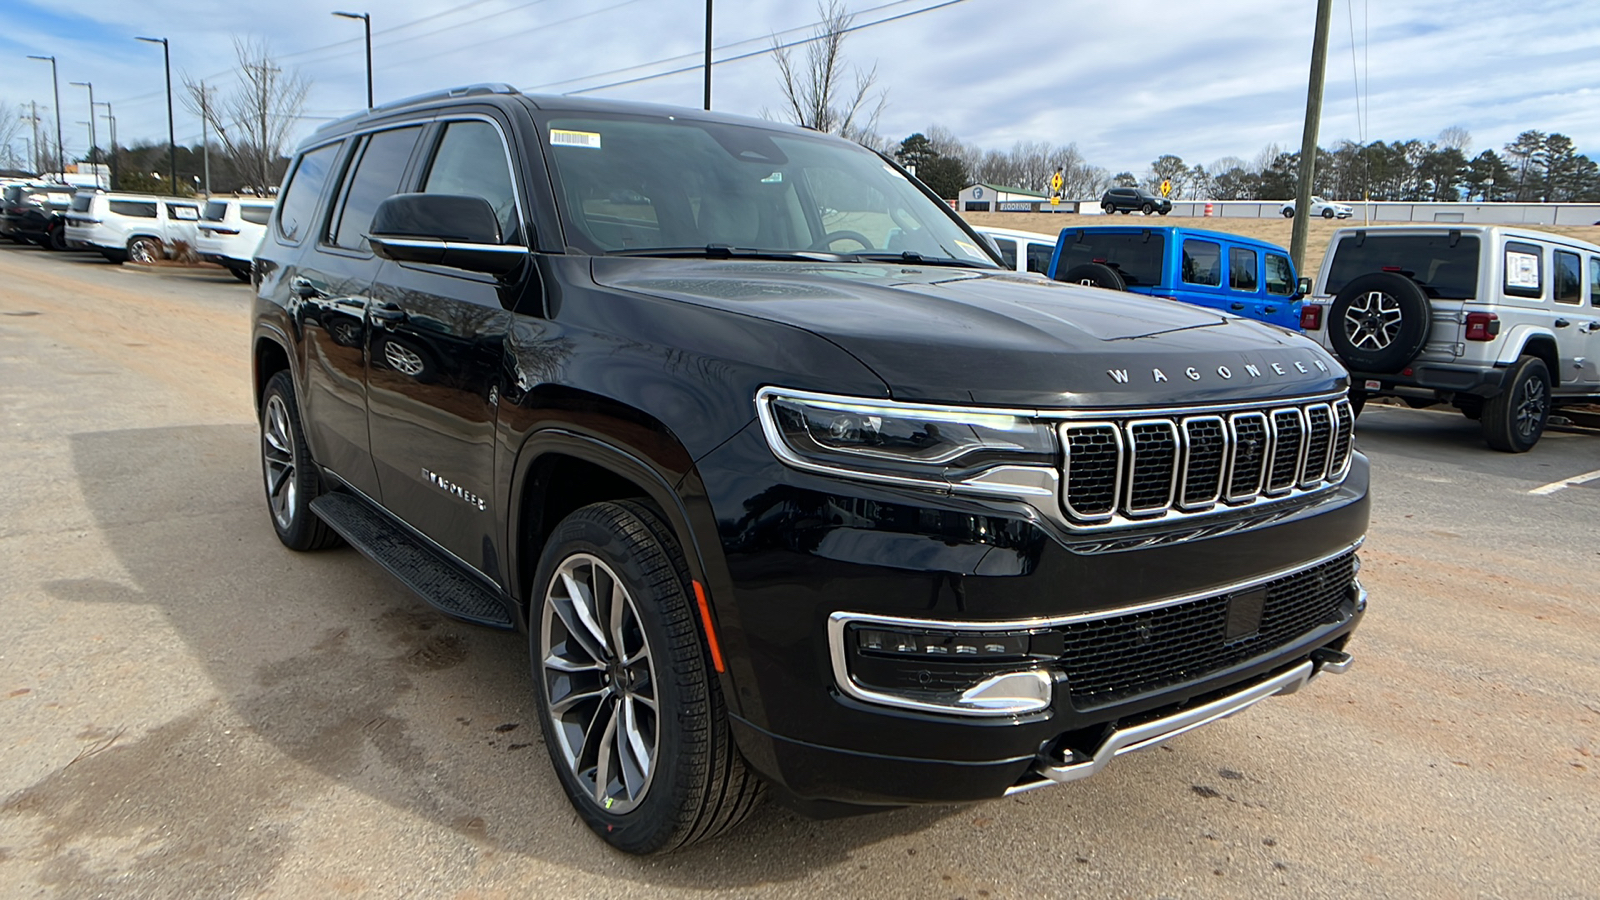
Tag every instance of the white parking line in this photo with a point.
(1554, 486)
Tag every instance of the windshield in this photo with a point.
(636, 185)
(1445, 266)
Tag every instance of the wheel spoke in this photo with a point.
(571, 612)
(637, 744)
(583, 608)
(282, 475)
(560, 707)
(563, 664)
(603, 761)
(618, 606)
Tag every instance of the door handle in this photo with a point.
(1236, 306)
(388, 312)
(1562, 323)
(303, 288)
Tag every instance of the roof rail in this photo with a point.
(469, 90)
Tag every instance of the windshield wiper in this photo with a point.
(723, 251)
(914, 258)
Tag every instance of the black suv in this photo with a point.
(35, 213)
(792, 488)
(1130, 199)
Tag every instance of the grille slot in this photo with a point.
(1138, 467)
(1111, 659)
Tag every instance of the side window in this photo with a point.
(1524, 270)
(1039, 257)
(1280, 276)
(1202, 262)
(255, 214)
(1008, 252)
(471, 160)
(374, 179)
(182, 212)
(1242, 269)
(1569, 278)
(299, 201)
(138, 209)
(1594, 281)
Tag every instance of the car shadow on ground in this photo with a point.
(328, 676)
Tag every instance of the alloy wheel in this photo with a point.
(403, 359)
(601, 683)
(1372, 321)
(1532, 405)
(278, 462)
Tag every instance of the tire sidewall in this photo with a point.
(655, 820)
(301, 533)
(1099, 275)
(1416, 321)
(1498, 418)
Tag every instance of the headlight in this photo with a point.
(947, 448)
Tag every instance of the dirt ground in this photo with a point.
(1275, 230)
(189, 710)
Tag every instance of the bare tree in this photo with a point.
(253, 122)
(12, 122)
(813, 91)
(1455, 138)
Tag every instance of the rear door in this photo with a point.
(1279, 284)
(1203, 273)
(1244, 295)
(1575, 340)
(182, 226)
(436, 351)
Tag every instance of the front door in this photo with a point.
(435, 357)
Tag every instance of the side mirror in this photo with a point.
(445, 230)
(1304, 286)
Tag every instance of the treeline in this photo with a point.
(1536, 167)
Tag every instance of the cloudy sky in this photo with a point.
(1127, 80)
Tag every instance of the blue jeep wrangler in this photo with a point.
(1226, 272)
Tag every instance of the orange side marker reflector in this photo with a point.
(705, 618)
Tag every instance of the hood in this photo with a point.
(964, 336)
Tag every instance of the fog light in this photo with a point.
(921, 665)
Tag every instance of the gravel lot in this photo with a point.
(189, 710)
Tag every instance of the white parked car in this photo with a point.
(1324, 208)
(1023, 251)
(140, 227)
(230, 230)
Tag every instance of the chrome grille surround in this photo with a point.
(1269, 453)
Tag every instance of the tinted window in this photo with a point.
(257, 214)
(1280, 275)
(1202, 263)
(1594, 281)
(1008, 251)
(1039, 257)
(1242, 269)
(81, 202)
(141, 209)
(1136, 255)
(215, 210)
(471, 160)
(376, 178)
(299, 200)
(1445, 267)
(183, 213)
(1524, 270)
(1568, 278)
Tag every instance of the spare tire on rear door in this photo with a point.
(1379, 322)
(1096, 274)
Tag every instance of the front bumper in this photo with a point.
(801, 549)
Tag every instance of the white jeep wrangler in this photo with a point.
(1502, 323)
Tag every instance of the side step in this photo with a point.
(437, 580)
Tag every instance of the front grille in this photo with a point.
(1139, 467)
(1112, 659)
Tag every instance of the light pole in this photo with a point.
(366, 20)
(172, 138)
(113, 120)
(94, 163)
(61, 157)
(708, 54)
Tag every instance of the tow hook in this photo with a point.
(1330, 660)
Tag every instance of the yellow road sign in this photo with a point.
(1166, 187)
(1055, 182)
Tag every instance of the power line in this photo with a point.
(764, 51)
(543, 26)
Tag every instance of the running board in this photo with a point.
(419, 568)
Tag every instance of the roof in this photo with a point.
(1015, 233)
(1000, 188)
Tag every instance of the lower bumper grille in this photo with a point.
(1111, 659)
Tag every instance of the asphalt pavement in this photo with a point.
(187, 709)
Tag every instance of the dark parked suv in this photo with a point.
(1132, 199)
(791, 487)
(34, 213)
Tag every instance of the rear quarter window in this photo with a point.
(1524, 276)
(215, 211)
(138, 209)
(81, 202)
(1039, 257)
(255, 214)
(298, 203)
(1008, 251)
(1202, 263)
(1444, 266)
(1137, 256)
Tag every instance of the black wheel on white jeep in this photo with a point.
(1379, 322)
(1288, 212)
(1514, 419)
(1097, 275)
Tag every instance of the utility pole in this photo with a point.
(61, 157)
(114, 166)
(172, 138)
(34, 157)
(261, 105)
(205, 136)
(94, 162)
(1308, 139)
(708, 55)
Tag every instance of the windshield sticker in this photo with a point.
(774, 178)
(971, 250)
(561, 138)
(1522, 270)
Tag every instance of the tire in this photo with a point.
(697, 785)
(1146, 209)
(241, 274)
(1327, 213)
(1108, 208)
(1379, 322)
(288, 472)
(1514, 419)
(1165, 211)
(1288, 212)
(115, 257)
(56, 239)
(144, 250)
(1097, 275)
